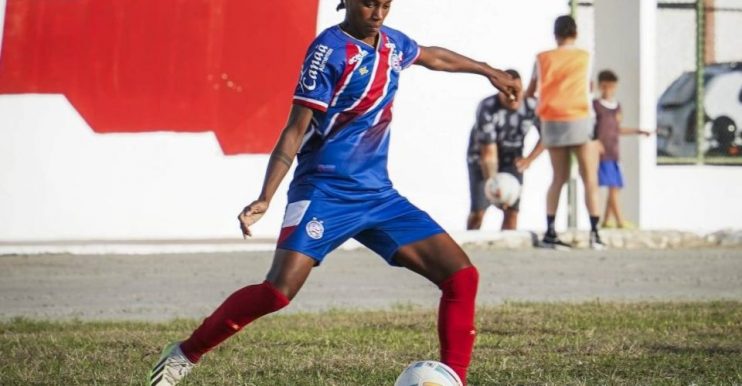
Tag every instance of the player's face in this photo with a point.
(607, 89)
(367, 16)
(515, 103)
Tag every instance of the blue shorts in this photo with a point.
(316, 223)
(609, 174)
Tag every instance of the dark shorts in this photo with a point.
(479, 201)
(609, 174)
(316, 223)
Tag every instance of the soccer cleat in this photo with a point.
(553, 242)
(595, 242)
(171, 367)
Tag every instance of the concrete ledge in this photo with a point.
(496, 240)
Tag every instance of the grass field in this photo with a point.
(592, 343)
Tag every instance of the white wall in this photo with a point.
(60, 180)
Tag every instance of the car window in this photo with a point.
(680, 91)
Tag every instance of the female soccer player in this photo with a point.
(339, 130)
(562, 78)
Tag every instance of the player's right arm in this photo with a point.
(313, 92)
(278, 165)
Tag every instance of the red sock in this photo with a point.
(456, 319)
(240, 308)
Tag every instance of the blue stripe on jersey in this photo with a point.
(350, 85)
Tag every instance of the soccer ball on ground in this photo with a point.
(428, 373)
(502, 190)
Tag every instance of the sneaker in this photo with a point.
(553, 242)
(595, 242)
(171, 367)
(627, 225)
(609, 225)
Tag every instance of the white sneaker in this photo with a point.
(171, 367)
(595, 242)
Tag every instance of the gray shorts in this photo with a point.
(566, 133)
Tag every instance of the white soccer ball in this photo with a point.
(502, 190)
(428, 373)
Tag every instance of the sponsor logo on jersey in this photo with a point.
(315, 229)
(317, 64)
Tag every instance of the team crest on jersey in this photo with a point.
(363, 70)
(397, 57)
(315, 229)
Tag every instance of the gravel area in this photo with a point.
(161, 287)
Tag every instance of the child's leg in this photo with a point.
(615, 207)
(608, 210)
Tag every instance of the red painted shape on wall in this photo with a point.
(227, 66)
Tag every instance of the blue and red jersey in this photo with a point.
(350, 85)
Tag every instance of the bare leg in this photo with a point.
(608, 208)
(510, 221)
(474, 221)
(289, 271)
(588, 158)
(441, 260)
(615, 207)
(560, 174)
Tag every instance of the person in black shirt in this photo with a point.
(496, 146)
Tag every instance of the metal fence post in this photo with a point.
(572, 184)
(700, 63)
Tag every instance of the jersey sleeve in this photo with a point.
(319, 74)
(410, 50)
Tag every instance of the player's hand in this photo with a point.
(250, 215)
(522, 164)
(505, 83)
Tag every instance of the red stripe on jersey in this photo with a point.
(376, 90)
(352, 53)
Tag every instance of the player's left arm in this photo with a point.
(442, 59)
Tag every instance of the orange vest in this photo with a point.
(564, 84)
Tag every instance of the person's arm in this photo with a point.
(488, 160)
(278, 165)
(441, 59)
(524, 163)
(634, 131)
(533, 84)
(629, 131)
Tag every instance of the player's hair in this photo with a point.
(341, 5)
(565, 27)
(513, 73)
(607, 76)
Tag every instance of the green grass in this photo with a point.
(584, 344)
